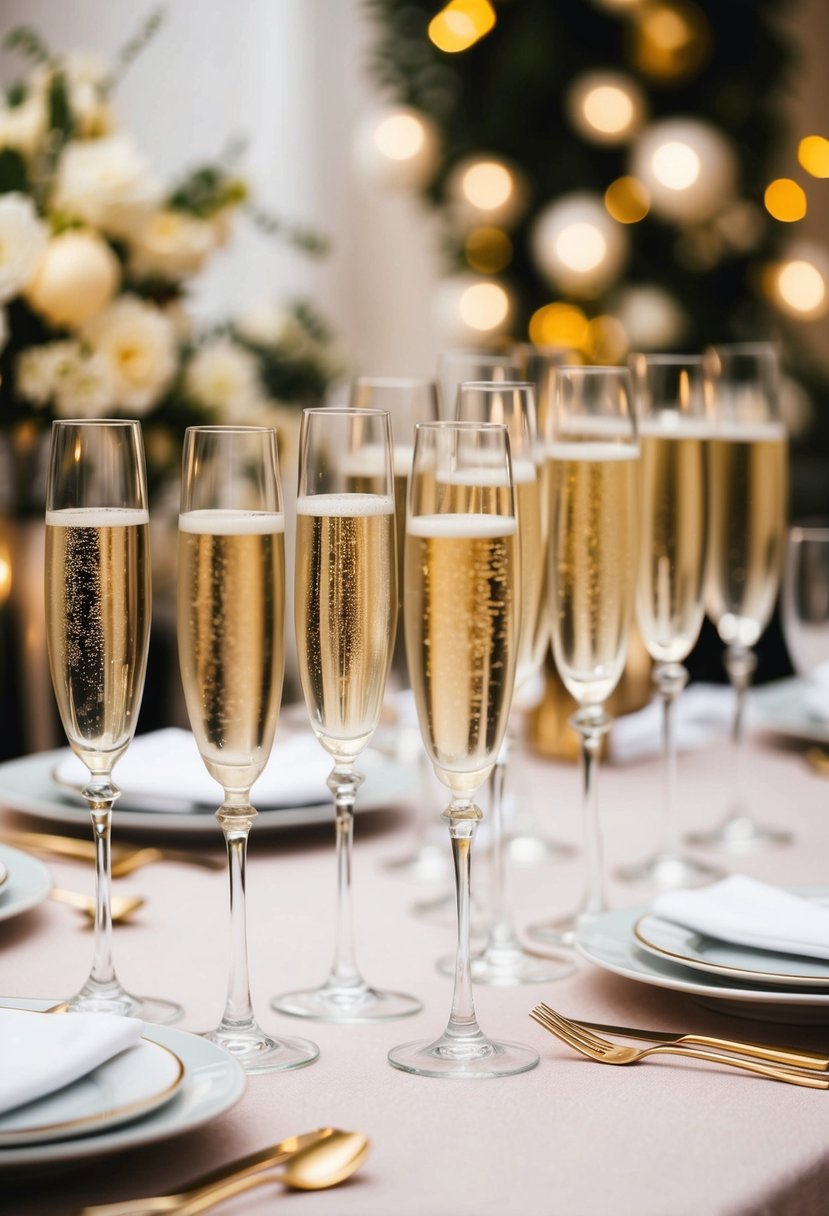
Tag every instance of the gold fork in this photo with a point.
(605, 1052)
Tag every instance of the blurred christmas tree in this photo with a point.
(604, 170)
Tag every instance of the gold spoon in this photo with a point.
(122, 906)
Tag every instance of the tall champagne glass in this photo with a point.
(97, 628)
(345, 599)
(504, 960)
(673, 432)
(457, 366)
(462, 608)
(805, 607)
(231, 603)
(593, 555)
(748, 463)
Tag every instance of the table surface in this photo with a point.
(570, 1138)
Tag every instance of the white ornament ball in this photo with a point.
(688, 168)
(606, 107)
(577, 245)
(77, 275)
(471, 310)
(652, 318)
(397, 147)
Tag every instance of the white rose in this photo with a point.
(264, 323)
(224, 376)
(139, 343)
(172, 245)
(86, 77)
(76, 276)
(107, 183)
(22, 127)
(39, 368)
(86, 388)
(23, 238)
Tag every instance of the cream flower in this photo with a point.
(107, 183)
(23, 126)
(139, 343)
(224, 376)
(22, 240)
(39, 368)
(86, 388)
(86, 75)
(76, 276)
(172, 245)
(264, 323)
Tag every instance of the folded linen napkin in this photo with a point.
(750, 913)
(166, 765)
(703, 713)
(42, 1052)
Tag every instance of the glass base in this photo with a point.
(666, 871)
(739, 834)
(257, 1052)
(426, 863)
(475, 1058)
(443, 911)
(529, 849)
(112, 998)
(559, 932)
(510, 964)
(341, 1004)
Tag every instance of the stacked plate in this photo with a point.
(751, 982)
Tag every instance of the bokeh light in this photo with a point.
(581, 247)
(488, 250)
(487, 185)
(670, 40)
(558, 324)
(813, 155)
(627, 200)
(609, 109)
(400, 136)
(676, 165)
(606, 340)
(484, 306)
(785, 200)
(461, 24)
(801, 289)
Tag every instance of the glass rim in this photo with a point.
(345, 411)
(496, 386)
(461, 424)
(807, 530)
(667, 360)
(56, 422)
(232, 428)
(593, 369)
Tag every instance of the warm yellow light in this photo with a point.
(484, 306)
(558, 324)
(627, 200)
(676, 165)
(400, 136)
(785, 200)
(461, 24)
(813, 154)
(5, 573)
(487, 185)
(670, 39)
(581, 247)
(666, 28)
(802, 288)
(488, 250)
(609, 109)
(606, 340)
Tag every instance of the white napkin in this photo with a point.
(816, 693)
(750, 913)
(166, 765)
(704, 712)
(42, 1052)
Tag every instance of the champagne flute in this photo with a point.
(593, 555)
(231, 603)
(504, 960)
(97, 627)
(806, 596)
(673, 430)
(748, 466)
(457, 366)
(462, 606)
(346, 613)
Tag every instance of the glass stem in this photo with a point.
(100, 794)
(740, 663)
(344, 783)
(463, 818)
(501, 934)
(670, 679)
(592, 724)
(235, 817)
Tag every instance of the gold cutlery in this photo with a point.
(122, 906)
(605, 1052)
(125, 858)
(817, 759)
(760, 1051)
(312, 1161)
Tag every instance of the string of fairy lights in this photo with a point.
(680, 169)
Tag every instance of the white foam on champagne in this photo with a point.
(345, 504)
(461, 527)
(98, 517)
(594, 452)
(232, 523)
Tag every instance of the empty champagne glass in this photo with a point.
(345, 600)
(231, 605)
(455, 367)
(98, 626)
(593, 555)
(462, 605)
(748, 473)
(504, 960)
(806, 596)
(673, 433)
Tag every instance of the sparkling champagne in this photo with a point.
(749, 490)
(462, 623)
(669, 593)
(345, 613)
(594, 526)
(231, 609)
(98, 624)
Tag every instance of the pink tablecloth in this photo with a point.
(570, 1138)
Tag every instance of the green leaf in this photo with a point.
(60, 112)
(12, 172)
(16, 95)
(28, 42)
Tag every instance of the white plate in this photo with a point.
(608, 942)
(128, 1086)
(213, 1083)
(27, 884)
(783, 707)
(26, 784)
(711, 954)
